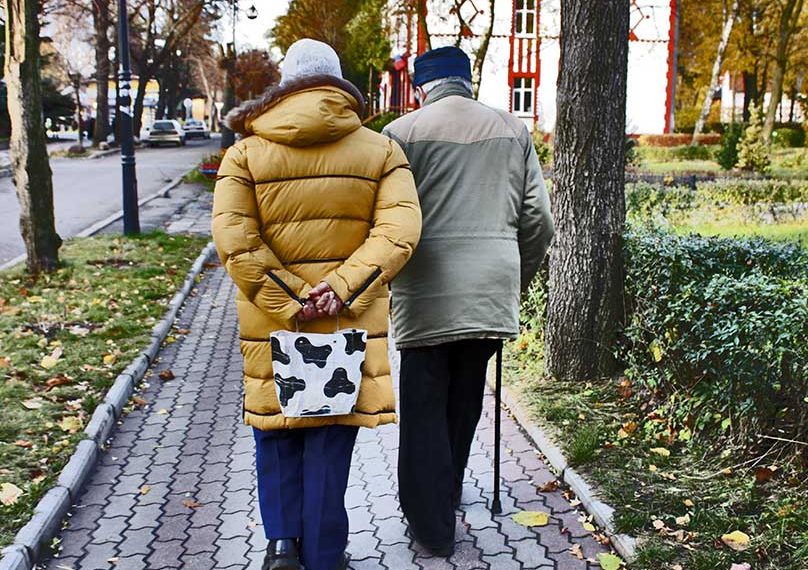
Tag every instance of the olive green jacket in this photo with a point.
(486, 221)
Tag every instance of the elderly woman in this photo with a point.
(313, 216)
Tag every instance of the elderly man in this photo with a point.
(486, 230)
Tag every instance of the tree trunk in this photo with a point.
(750, 92)
(77, 91)
(140, 97)
(789, 19)
(101, 23)
(208, 93)
(423, 27)
(585, 308)
(28, 148)
(729, 20)
(482, 52)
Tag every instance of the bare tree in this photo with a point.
(730, 15)
(585, 307)
(101, 24)
(29, 155)
(482, 51)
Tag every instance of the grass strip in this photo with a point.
(64, 338)
(679, 496)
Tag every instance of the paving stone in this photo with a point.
(201, 451)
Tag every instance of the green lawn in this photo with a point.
(63, 340)
(679, 497)
(783, 231)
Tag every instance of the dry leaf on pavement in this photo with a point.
(609, 561)
(167, 375)
(191, 504)
(531, 518)
(577, 552)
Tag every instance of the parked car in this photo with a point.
(165, 131)
(195, 128)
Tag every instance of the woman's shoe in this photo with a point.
(282, 554)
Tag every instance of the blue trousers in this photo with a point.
(302, 477)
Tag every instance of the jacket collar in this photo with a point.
(238, 119)
(447, 90)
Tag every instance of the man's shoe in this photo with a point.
(282, 554)
(443, 550)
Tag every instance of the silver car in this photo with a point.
(166, 131)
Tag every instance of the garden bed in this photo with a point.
(700, 445)
(64, 340)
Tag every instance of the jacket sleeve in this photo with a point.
(243, 252)
(536, 228)
(392, 239)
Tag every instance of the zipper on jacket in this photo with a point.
(364, 287)
(280, 283)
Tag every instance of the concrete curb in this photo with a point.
(51, 510)
(602, 513)
(100, 225)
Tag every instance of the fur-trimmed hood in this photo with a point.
(311, 110)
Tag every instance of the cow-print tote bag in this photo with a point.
(318, 374)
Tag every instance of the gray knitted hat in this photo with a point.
(306, 58)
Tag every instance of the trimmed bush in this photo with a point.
(718, 332)
(727, 156)
(378, 122)
(753, 152)
(788, 137)
(679, 139)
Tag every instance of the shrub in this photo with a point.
(544, 148)
(788, 137)
(647, 201)
(753, 152)
(676, 153)
(718, 331)
(727, 156)
(748, 192)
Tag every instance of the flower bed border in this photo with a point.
(46, 522)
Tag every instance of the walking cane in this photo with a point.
(496, 505)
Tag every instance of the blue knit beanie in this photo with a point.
(439, 63)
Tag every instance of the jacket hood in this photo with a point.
(312, 110)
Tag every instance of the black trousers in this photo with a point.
(441, 394)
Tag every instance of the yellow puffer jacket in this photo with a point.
(309, 195)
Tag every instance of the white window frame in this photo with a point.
(525, 88)
(524, 15)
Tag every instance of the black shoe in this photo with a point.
(343, 564)
(442, 550)
(282, 554)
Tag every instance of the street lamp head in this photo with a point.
(252, 12)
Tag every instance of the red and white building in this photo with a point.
(521, 66)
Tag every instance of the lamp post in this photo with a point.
(228, 136)
(131, 218)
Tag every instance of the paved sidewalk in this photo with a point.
(176, 487)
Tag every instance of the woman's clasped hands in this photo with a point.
(322, 302)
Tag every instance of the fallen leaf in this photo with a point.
(23, 443)
(652, 468)
(658, 524)
(683, 520)
(609, 561)
(9, 494)
(656, 351)
(183, 331)
(576, 551)
(162, 411)
(191, 504)
(32, 404)
(550, 486)
(689, 503)
(59, 380)
(170, 340)
(144, 490)
(624, 388)
(763, 474)
(138, 401)
(661, 451)
(52, 359)
(5, 362)
(113, 560)
(744, 566)
(736, 540)
(71, 424)
(110, 359)
(588, 526)
(531, 518)
(167, 375)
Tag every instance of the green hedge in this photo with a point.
(788, 137)
(676, 153)
(644, 200)
(718, 332)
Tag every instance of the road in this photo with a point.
(86, 191)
